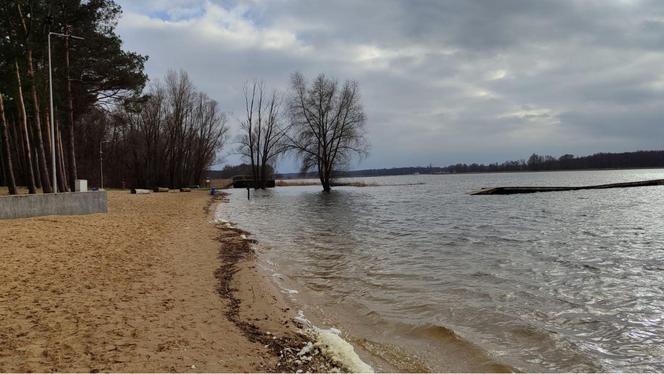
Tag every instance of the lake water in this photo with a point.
(425, 276)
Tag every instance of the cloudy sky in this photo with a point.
(442, 81)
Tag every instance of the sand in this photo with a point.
(133, 290)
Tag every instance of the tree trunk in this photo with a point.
(48, 149)
(263, 174)
(17, 156)
(35, 165)
(41, 166)
(60, 156)
(71, 154)
(41, 154)
(3, 174)
(326, 185)
(324, 180)
(26, 136)
(323, 175)
(254, 162)
(6, 153)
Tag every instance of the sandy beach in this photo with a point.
(146, 287)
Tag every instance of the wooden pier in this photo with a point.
(520, 190)
(246, 181)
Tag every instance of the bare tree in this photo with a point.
(168, 137)
(208, 137)
(263, 138)
(327, 125)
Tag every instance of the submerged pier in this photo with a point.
(519, 190)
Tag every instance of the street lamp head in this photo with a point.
(66, 35)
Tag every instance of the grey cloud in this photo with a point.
(442, 81)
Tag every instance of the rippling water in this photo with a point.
(427, 276)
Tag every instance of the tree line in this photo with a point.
(624, 160)
(168, 137)
(88, 74)
(536, 162)
(165, 135)
(230, 171)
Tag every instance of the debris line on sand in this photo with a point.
(295, 351)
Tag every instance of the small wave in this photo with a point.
(481, 274)
(481, 359)
(331, 342)
(342, 351)
(394, 356)
(436, 332)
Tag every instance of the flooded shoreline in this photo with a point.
(304, 347)
(534, 283)
(399, 347)
(450, 352)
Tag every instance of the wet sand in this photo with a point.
(138, 289)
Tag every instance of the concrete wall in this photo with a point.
(60, 204)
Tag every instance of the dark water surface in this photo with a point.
(423, 274)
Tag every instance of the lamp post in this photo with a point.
(50, 87)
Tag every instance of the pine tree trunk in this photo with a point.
(40, 165)
(6, 152)
(16, 139)
(26, 136)
(3, 175)
(41, 154)
(48, 147)
(62, 168)
(71, 154)
(35, 165)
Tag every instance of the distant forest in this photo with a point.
(230, 171)
(626, 160)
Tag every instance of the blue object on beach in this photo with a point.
(213, 191)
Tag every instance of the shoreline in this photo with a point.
(295, 345)
(138, 290)
(436, 348)
(405, 348)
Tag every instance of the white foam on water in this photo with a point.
(220, 221)
(332, 344)
(300, 318)
(336, 347)
(217, 217)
